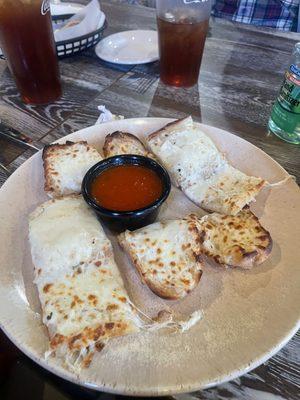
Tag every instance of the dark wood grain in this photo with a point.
(241, 72)
(276, 379)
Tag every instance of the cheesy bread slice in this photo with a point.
(84, 302)
(65, 166)
(118, 143)
(201, 170)
(234, 241)
(167, 256)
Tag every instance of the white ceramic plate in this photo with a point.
(248, 315)
(129, 47)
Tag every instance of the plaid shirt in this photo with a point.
(280, 14)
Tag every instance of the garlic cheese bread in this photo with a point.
(235, 241)
(201, 170)
(118, 143)
(65, 166)
(167, 256)
(84, 302)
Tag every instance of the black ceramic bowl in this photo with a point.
(122, 220)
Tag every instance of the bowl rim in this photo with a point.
(109, 162)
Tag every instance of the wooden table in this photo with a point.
(241, 73)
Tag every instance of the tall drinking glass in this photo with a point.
(182, 28)
(26, 38)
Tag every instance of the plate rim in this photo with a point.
(149, 391)
(128, 62)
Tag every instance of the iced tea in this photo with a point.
(181, 46)
(182, 27)
(26, 38)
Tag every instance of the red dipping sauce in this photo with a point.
(126, 188)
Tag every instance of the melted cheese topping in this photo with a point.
(167, 256)
(234, 240)
(65, 233)
(90, 296)
(67, 166)
(81, 291)
(201, 171)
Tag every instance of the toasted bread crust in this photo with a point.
(160, 289)
(245, 251)
(55, 156)
(119, 135)
(166, 127)
(119, 138)
(47, 150)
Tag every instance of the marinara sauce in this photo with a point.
(126, 188)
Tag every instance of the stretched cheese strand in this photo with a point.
(154, 324)
(282, 182)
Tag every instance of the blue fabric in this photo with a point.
(280, 14)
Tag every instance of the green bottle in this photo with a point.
(285, 116)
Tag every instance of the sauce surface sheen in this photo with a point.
(126, 188)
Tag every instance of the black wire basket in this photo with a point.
(70, 47)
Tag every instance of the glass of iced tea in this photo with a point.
(182, 28)
(27, 41)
